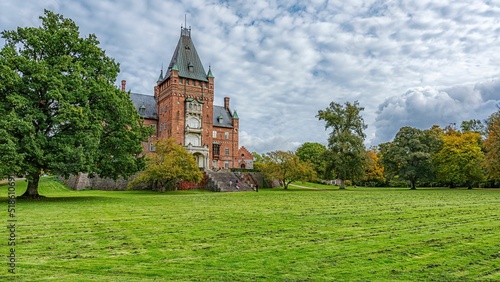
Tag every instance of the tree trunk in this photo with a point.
(413, 187)
(342, 184)
(32, 190)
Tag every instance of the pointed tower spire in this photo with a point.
(160, 78)
(185, 59)
(209, 74)
(235, 115)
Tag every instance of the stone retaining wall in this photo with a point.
(83, 182)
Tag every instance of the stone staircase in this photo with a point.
(220, 181)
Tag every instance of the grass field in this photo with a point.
(359, 234)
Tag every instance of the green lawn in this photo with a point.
(302, 234)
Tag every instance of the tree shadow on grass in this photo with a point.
(55, 199)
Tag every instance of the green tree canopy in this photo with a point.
(314, 153)
(473, 125)
(286, 167)
(61, 112)
(409, 156)
(345, 156)
(169, 164)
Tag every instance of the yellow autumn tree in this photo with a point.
(374, 170)
(168, 164)
(460, 159)
(286, 167)
(492, 147)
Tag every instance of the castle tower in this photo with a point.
(185, 97)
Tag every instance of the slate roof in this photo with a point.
(186, 59)
(147, 102)
(220, 111)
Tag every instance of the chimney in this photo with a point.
(124, 83)
(226, 103)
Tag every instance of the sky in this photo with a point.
(408, 63)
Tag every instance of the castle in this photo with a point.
(183, 108)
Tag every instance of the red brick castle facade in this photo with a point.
(183, 108)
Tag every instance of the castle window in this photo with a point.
(226, 164)
(161, 127)
(226, 135)
(180, 81)
(142, 109)
(190, 67)
(193, 140)
(194, 123)
(216, 149)
(151, 147)
(214, 134)
(226, 151)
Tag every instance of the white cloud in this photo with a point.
(424, 107)
(414, 62)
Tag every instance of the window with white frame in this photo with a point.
(214, 134)
(226, 151)
(194, 123)
(226, 135)
(151, 147)
(193, 140)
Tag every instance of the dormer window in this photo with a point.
(220, 119)
(190, 67)
(142, 109)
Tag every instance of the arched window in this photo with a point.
(193, 140)
(194, 123)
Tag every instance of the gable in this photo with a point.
(227, 118)
(148, 102)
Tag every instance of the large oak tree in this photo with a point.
(61, 112)
(346, 153)
(409, 156)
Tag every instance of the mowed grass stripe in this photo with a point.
(358, 234)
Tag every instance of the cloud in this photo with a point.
(414, 62)
(424, 107)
